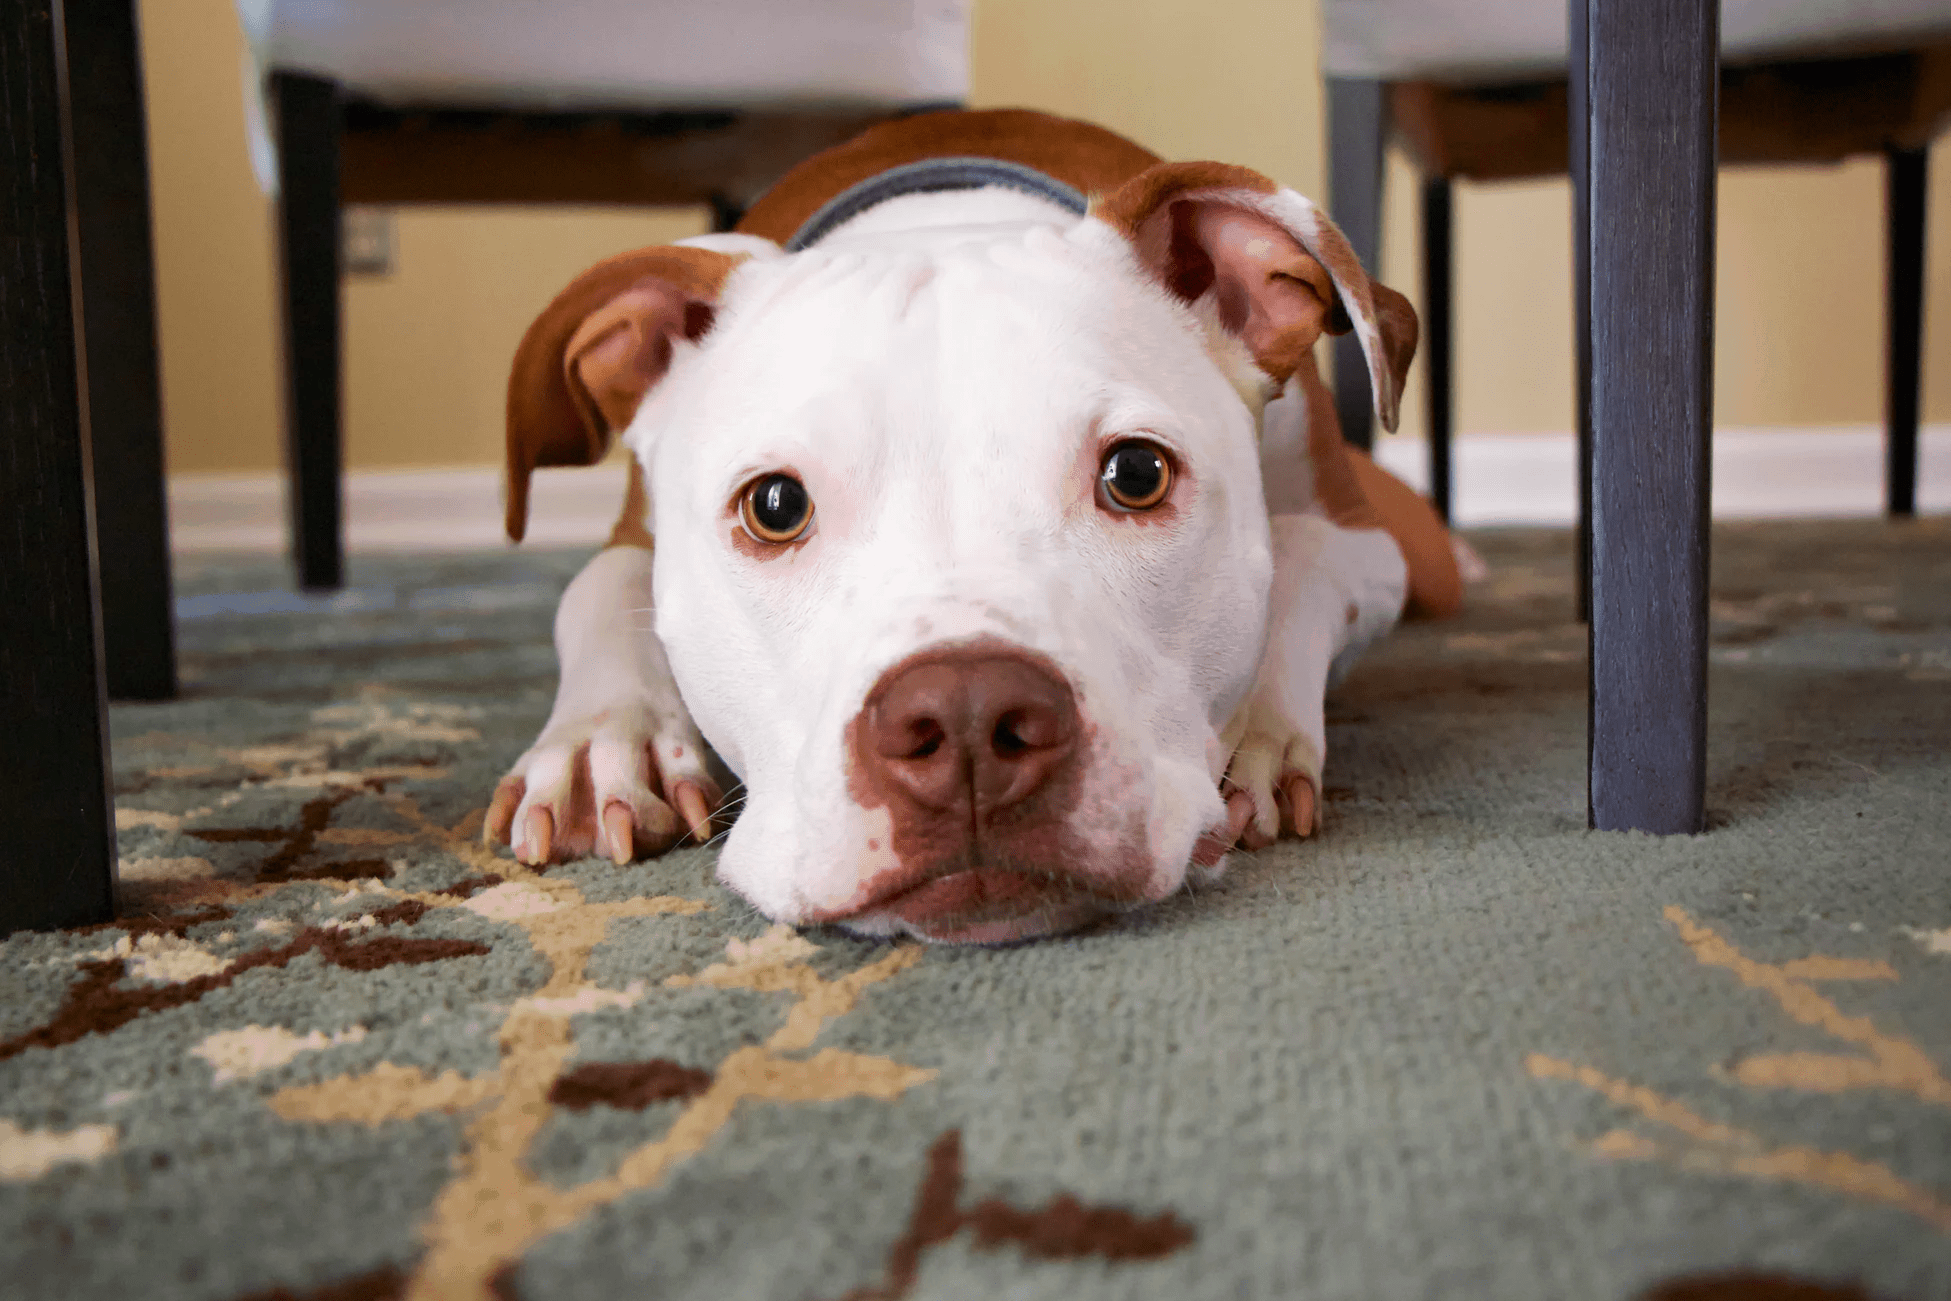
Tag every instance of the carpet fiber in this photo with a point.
(1458, 1046)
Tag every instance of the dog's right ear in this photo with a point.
(589, 358)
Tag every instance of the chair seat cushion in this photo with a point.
(1480, 41)
(565, 54)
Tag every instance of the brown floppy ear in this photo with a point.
(1280, 273)
(588, 359)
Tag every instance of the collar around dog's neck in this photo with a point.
(930, 176)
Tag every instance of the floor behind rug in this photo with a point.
(1458, 1046)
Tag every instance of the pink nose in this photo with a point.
(971, 732)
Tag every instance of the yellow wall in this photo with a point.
(1798, 298)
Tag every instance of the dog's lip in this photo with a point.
(985, 904)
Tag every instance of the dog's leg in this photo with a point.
(1335, 591)
(619, 759)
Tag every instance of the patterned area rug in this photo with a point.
(1457, 1046)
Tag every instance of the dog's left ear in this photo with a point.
(598, 348)
(1280, 272)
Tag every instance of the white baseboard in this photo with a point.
(439, 509)
(1758, 473)
(1499, 478)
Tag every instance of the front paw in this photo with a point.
(623, 783)
(1278, 767)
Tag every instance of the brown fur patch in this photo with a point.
(1080, 154)
(549, 422)
(97, 1004)
(1061, 1229)
(630, 1085)
(1133, 206)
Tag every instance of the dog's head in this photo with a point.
(962, 562)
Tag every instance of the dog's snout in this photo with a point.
(981, 730)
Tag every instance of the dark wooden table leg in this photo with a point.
(308, 113)
(118, 289)
(1906, 176)
(1652, 83)
(57, 839)
(1356, 123)
(1439, 346)
(1580, 163)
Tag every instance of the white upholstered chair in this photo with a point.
(651, 102)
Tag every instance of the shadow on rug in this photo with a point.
(1457, 1045)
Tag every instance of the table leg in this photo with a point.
(57, 841)
(1652, 98)
(116, 267)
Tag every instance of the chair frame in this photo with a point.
(1635, 141)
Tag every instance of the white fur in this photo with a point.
(943, 374)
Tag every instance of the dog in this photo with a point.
(1005, 538)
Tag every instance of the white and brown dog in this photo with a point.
(1006, 542)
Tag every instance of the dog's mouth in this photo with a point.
(980, 905)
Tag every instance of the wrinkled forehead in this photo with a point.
(980, 339)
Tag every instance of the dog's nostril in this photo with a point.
(924, 740)
(1007, 740)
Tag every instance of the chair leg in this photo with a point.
(116, 267)
(308, 128)
(57, 838)
(726, 213)
(1906, 176)
(1652, 72)
(1356, 127)
(1439, 352)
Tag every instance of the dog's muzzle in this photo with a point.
(976, 752)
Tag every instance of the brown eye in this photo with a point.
(776, 508)
(1135, 475)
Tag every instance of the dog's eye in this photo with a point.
(1135, 475)
(776, 508)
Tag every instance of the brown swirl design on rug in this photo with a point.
(1061, 1229)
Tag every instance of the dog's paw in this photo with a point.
(1278, 767)
(625, 784)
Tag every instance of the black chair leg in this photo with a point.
(57, 839)
(116, 268)
(1906, 175)
(1439, 352)
(308, 114)
(1652, 73)
(1356, 125)
(726, 213)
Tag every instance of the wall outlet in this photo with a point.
(366, 240)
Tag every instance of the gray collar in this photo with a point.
(929, 176)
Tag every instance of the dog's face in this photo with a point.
(962, 566)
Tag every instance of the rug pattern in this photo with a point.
(333, 1047)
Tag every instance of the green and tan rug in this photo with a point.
(1457, 1047)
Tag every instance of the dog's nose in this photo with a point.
(981, 728)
